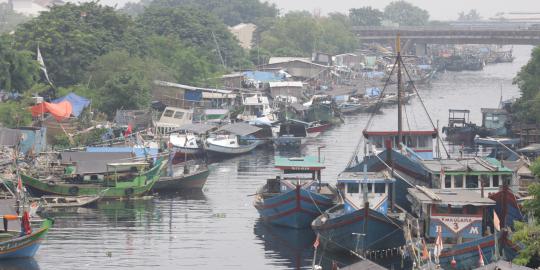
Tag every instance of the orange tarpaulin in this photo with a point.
(59, 111)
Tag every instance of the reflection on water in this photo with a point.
(19, 264)
(220, 229)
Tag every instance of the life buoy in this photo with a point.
(73, 190)
(128, 192)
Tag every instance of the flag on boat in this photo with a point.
(316, 243)
(481, 257)
(496, 221)
(19, 185)
(42, 65)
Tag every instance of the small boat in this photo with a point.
(49, 202)
(460, 130)
(314, 128)
(295, 202)
(188, 139)
(190, 175)
(290, 134)
(233, 139)
(362, 223)
(122, 180)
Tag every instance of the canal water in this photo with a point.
(219, 228)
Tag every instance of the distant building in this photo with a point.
(244, 33)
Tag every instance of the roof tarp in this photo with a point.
(241, 129)
(140, 152)
(94, 162)
(264, 76)
(78, 103)
(59, 111)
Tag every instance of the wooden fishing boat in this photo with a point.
(233, 139)
(362, 222)
(14, 244)
(295, 202)
(189, 175)
(189, 138)
(126, 180)
(49, 202)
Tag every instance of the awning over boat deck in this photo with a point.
(367, 177)
(464, 165)
(197, 128)
(300, 164)
(240, 129)
(90, 162)
(453, 197)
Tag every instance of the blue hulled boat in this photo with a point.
(295, 202)
(361, 223)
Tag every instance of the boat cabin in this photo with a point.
(475, 174)
(295, 171)
(173, 118)
(458, 118)
(254, 107)
(420, 141)
(494, 121)
(357, 187)
(460, 216)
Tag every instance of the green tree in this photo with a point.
(72, 36)
(194, 28)
(405, 13)
(527, 108)
(9, 19)
(127, 90)
(366, 16)
(15, 114)
(18, 70)
(472, 15)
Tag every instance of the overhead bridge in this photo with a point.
(450, 35)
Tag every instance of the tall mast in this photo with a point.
(399, 90)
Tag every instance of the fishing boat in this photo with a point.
(232, 139)
(50, 202)
(363, 222)
(314, 128)
(291, 134)
(121, 180)
(190, 175)
(293, 201)
(460, 129)
(189, 139)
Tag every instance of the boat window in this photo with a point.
(369, 187)
(495, 181)
(471, 181)
(168, 113)
(93, 177)
(441, 209)
(353, 188)
(179, 115)
(506, 179)
(423, 141)
(458, 181)
(447, 181)
(456, 210)
(470, 209)
(380, 188)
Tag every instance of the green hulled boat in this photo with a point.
(122, 180)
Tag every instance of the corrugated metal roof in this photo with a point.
(94, 162)
(241, 129)
(454, 197)
(197, 128)
(463, 165)
(189, 87)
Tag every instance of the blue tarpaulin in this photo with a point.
(263, 76)
(78, 103)
(373, 92)
(139, 152)
(374, 74)
(193, 95)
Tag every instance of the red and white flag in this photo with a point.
(438, 244)
(481, 257)
(316, 243)
(496, 221)
(19, 185)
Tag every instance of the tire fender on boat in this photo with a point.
(73, 190)
(128, 192)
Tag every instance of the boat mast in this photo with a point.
(399, 84)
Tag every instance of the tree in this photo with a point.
(473, 15)
(404, 13)
(9, 19)
(18, 70)
(365, 16)
(72, 36)
(15, 114)
(127, 90)
(194, 28)
(527, 108)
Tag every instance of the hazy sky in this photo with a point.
(438, 9)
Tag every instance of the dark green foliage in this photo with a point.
(473, 15)
(366, 16)
(527, 108)
(71, 36)
(404, 13)
(18, 69)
